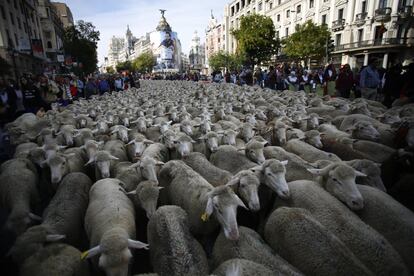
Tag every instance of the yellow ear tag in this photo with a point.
(204, 217)
(84, 255)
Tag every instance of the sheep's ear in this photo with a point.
(132, 192)
(113, 157)
(131, 142)
(285, 162)
(233, 181)
(89, 162)
(209, 206)
(54, 237)
(358, 173)
(35, 217)
(160, 163)
(240, 202)
(316, 171)
(242, 148)
(146, 141)
(91, 252)
(137, 244)
(160, 188)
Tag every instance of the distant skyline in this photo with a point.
(111, 17)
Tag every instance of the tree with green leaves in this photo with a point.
(124, 66)
(80, 42)
(4, 67)
(256, 39)
(307, 42)
(225, 60)
(144, 63)
(110, 70)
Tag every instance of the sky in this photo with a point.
(111, 17)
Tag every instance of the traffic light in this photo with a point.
(330, 47)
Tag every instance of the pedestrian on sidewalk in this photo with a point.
(370, 80)
(345, 82)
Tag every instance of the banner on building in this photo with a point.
(37, 48)
(24, 44)
(60, 58)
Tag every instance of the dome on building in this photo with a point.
(163, 25)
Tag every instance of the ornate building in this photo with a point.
(197, 53)
(215, 39)
(360, 28)
(116, 46)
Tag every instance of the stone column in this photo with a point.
(385, 61)
(394, 7)
(366, 57)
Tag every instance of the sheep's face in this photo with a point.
(186, 128)
(225, 211)
(123, 134)
(138, 148)
(373, 174)
(212, 143)
(58, 168)
(315, 140)
(274, 178)
(313, 122)
(205, 127)
(247, 132)
(251, 119)
(82, 123)
(148, 168)
(390, 118)
(184, 148)
(280, 135)
(247, 189)
(103, 167)
(141, 125)
(102, 127)
(125, 121)
(365, 131)
(168, 140)
(148, 197)
(261, 115)
(340, 183)
(255, 154)
(229, 137)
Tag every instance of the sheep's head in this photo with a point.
(254, 151)
(247, 131)
(364, 130)
(139, 145)
(313, 121)
(184, 145)
(223, 203)
(246, 184)
(279, 133)
(168, 139)
(31, 242)
(212, 141)
(67, 132)
(102, 161)
(121, 132)
(273, 172)
(59, 166)
(313, 138)
(229, 137)
(372, 171)
(148, 167)
(339, 180)
(114, 252)
(147, 193)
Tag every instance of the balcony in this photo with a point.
(405, 12)
(374, 43)
(360, 18)
(338, 25)
(383, 14)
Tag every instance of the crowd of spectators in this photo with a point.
(371, 82)
(35, 94)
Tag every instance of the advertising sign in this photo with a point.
(165, 49)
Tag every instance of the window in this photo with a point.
(232, 11)
(298, 8)
(17, 41)
(49, 44)
(15, 4)
(287, 32)
(270, 5)
(364, 6)
(242, 4)
(48, 34)
(338, 39)
(279, 2)
(9, 40)
(340, 14)
(360, 35)
(12, 18)
(47, 13)
(19, 23)
(260, 6)
(323, 21)
(382, 4)
(277, 34)
(287, 13)
(278, 18)
(3, 14)
(311, 4)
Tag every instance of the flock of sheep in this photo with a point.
(183, 178)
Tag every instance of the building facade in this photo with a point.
(196, 55)
(52, 30)
(215, 40)
(21, 36)
(64, 13)
(115, 50)
(360, 28)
